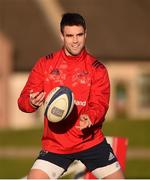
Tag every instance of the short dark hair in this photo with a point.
(71, 19)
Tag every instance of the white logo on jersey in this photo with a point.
(80, 103)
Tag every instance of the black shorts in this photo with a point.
(98, 156)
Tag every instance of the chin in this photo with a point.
(76, 53)
(73, 52)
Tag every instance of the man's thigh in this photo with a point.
(52, 164)
(100, 159)
(112, 171)
(44, 169)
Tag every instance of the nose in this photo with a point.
(75, 39)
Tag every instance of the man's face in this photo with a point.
(73, 38)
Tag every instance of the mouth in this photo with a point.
(75, 46)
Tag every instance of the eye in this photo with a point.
(80, 34)
(69, 35)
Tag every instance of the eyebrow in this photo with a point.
(79, 34)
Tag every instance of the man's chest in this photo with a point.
(77, 78)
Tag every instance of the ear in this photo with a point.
(62, 37)
(85, 33)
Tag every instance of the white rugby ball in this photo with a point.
(59, 104)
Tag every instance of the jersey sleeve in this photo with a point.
(98, 102)
(35, 83)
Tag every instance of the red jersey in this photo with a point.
(88, 79)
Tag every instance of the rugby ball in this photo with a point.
(59, 104)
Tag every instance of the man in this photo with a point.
(79, 137)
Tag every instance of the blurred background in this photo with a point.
(118, 35)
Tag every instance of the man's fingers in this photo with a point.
(85, 122)
(84, 117)
(78, 127)
(34, 95)
(37, 98)
(41, 99)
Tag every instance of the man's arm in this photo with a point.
(98, 101)
(32, 95)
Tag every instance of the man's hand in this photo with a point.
(85, 122)
(36, 98)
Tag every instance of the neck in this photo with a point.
(78, 57)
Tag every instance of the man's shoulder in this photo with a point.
(94, 61)
(51, 55)
(48, 56)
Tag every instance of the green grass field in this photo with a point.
(15, 168)
(19, 138)
(138, 169)
(137, 132)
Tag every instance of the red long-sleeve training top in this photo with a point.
(89, 81)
